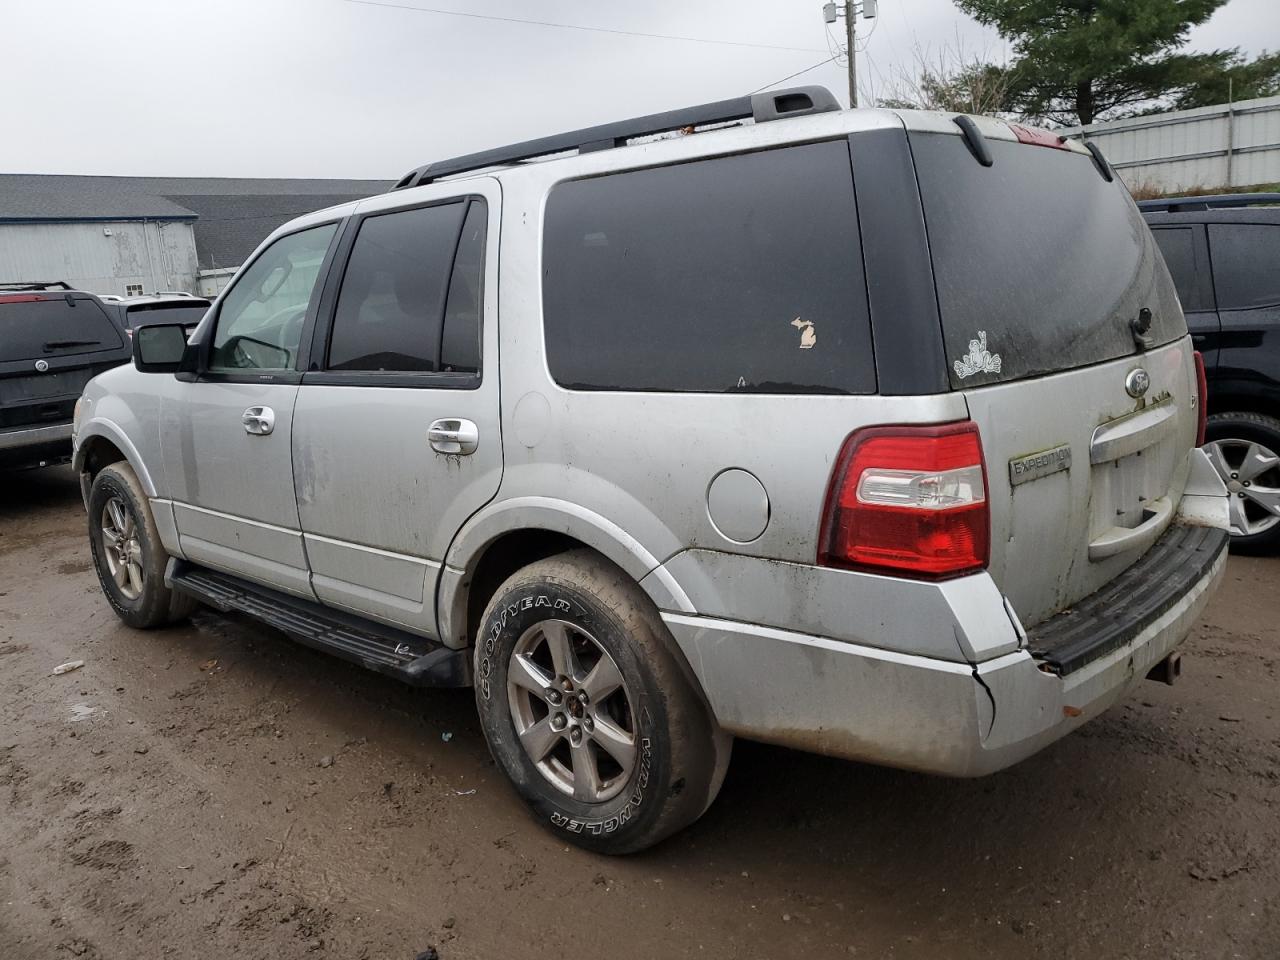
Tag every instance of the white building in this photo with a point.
(129, 235)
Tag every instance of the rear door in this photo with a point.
(1246, 265)
(1186, 254)
(51, 345)
(1043, 271)
(397, 437)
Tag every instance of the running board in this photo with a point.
(413, 659)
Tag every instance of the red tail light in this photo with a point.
(909, 500)
(1202, 393)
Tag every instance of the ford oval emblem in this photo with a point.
(1137, 383)
(42, 365)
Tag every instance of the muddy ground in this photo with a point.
(216, 791)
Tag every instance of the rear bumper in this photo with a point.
(35, 446)
(936, 716)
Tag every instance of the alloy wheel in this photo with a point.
(122, 548)
(572, 710)
(1252, 475)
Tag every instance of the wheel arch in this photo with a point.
(512, 534)
(100, 443)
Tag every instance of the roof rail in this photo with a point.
(1219, 201)
(35, 285)
(760, 107)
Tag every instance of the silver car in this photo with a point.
(869, 433)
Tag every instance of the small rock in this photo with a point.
(67, 667)
(325, 761)
(449, 922)
(786, 918)
(446, 736)
(1229, 718)
(428, 954)
(143, 748)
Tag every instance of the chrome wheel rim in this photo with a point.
(1252, 475)
(572, 711)
(121, 548)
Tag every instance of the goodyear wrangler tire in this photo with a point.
(588, 711)
(128, 554)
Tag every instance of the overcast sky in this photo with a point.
(336, 88)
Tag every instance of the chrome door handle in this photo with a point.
(259, 421)
(457, 438)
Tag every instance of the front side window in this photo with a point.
(737, 274)
(410, 291)
(1246, 264)
(260, 321)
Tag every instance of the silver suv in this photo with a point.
(867, 433)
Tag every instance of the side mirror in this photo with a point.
(158, 347)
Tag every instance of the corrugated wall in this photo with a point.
(1224, 145)
(101, 257)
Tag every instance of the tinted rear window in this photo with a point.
(741, 273)
(56, 327)
(1178, 244)
(1040, 263)
(1246, 264)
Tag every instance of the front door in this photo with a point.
(225, 436)
(396, 436)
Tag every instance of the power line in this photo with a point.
(575, 26)
(821, 63)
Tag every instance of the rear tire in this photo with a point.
(588, 710)
(1245, 450)
(127, 552)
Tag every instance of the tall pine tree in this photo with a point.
(1078, 61)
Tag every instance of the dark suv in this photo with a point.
(53, 340)
(1224, 255)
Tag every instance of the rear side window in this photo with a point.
(40, 328)
(410, 296)
(1178, 244)
(1039, 262)
(1246, 264)
(742, 273)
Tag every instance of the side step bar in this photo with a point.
(413, 659)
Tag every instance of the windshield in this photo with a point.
(34, 329)
(1040, 263)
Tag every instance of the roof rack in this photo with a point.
(21, 285)
(1220, 201)
(760, 107)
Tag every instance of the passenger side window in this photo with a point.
(737, 274)
(259, 324)
(1178, 245)
(1246, 264)
(410, 296)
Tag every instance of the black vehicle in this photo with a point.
(1224, 255)
(132, 312)
(53, 340)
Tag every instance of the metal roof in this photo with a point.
(231, 214)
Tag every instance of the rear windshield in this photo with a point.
(1040, 263)
(167, 313)
(54, 327)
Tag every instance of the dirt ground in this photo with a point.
(216, 791)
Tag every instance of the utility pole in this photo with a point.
(830, 13)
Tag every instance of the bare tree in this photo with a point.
(950, 79)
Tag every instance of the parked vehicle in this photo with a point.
(53, 340)
(1224, 255)
(727, 442)
(165, 307)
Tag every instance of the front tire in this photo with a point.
(128, 554)
(587, 709)
(1244, 449)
